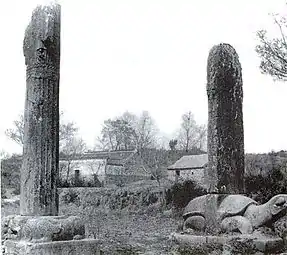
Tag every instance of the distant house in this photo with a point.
(110, 167)
(190, 167)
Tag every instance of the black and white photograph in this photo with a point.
(154, 127)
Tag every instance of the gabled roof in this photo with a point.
(113, 155)
(190, 162)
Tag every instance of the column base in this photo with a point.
(243, 244)
(72, 247)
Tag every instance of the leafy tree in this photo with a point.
(273, 50)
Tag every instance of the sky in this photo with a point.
(146, 55)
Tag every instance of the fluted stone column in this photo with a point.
(225, 130)
(39, 173)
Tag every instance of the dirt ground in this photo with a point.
(123, 232)
(138, 234)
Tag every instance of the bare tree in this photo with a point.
(16, 134)
(117, 134)
(101, 144)
(273, 51)
(95, 167)
(202, 137)
(187, 137)
(172, 144)
(191, 135)
(146, 132)
(71, 148)
(153, 163)
(66, 131)
(128, 132)
(4, 154)
(69, 144)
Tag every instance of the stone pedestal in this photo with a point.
(233, 244)
(224, 209)
(47, 235)
(75, 247)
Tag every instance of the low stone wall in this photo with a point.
(124, 179)
(135, 197)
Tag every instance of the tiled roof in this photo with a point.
(190, 162)
(114, 155)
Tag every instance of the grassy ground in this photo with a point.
(121, 231)
(141, 233)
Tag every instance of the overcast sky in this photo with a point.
(146, 55)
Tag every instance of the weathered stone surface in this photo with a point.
(39, 173)
(75, 247)
(211, 214)
(240, 244)
(43, 228)
(280, 227)
(225, 121)
(235, 213)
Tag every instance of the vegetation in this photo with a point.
(181, 193)
(190, 135)
(273, 50)
(10, 174)
(129, 132)
(263, 186)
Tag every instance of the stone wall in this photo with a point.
(133, 197)
(124, 179)
(195, 175)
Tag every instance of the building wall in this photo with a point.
(196, 175)
(87, 168)
(107, 174)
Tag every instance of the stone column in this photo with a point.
(225, 171)
(39, 229)
(39, 173)
(225, 121)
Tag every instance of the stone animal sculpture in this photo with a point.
(236, 213)
(43, 228)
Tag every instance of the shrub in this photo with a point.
(71, 197)
(262, 188)
(64, 184)
(10, 173)
(181, 193)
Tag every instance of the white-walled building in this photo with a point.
(190, 167)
